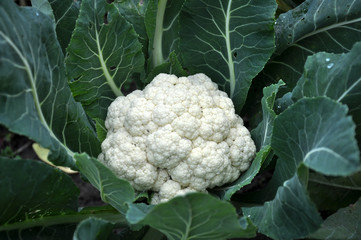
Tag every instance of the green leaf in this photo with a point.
(332, 193)
(173, 66)
(30, 189)
(263, 133)
(336, 76)
(345, 224)
(35, 98)
(317, 132)
(161, 21)
(314, 26)
(115, 191)
(290, 214)
(103, 54)
(228, 40)
(93, 228)
(101, 129)
(226, 192)
(134, 12)
(44, 7)
(196, 216)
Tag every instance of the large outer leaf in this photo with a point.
(337, 76)
(314, 26)
(104, 53)
(228, 40)
(345, 224)
(30, 189)
(194, 216)
(161, 21)
(263, 133)
(115, 191)
(290, 214)
(35, 98)
(317, 132)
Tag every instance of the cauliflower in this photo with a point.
(178, 135)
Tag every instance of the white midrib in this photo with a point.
(158, 34)
(34, 93)
(103, 65)
(232, 77)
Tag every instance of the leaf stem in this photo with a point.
(232, 77)
(158, 34)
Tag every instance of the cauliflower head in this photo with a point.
(178, 135)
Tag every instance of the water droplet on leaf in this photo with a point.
(327, 59)
(330, 65)
(37, 14)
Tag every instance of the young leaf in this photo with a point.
(345, 224)
(228, 40)
(115, 191)
(317, 132)
(161, 21)
(101, 129)
(35, 98)
(31, 189)
(196, 216)
(336, 76)
(246, 177)
(263, 133)
(290, 214)
(314, 26)
(103, 54)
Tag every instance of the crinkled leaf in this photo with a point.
(290, 214)
(314, 26)
(115, 191)
(283, 102)
(161, 21)
(35, 98)
(317, 132)
(332, 193)
(228, 40)
(30, 189)
(246, 178)
(44, 7)
(195, 216)
(263, 133)
(336, 76)
(93, 228)
(344, 224)
(104, 53)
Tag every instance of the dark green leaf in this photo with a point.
(30, 189)
(229, 41)
(317, 132)
(336, 76)
(173, 66)
(35, 98)
(283, 102)
(103, 54)
(44, 7)
(345, 224)
(93, 228)
(196, 216)
(332, 193)
(134, 12)
(290, 214)
(115, 191)
(314, 26)
(101, 129)
(246, 178)
(161, 21)
(263, 133)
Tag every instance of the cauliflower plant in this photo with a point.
(176, 136)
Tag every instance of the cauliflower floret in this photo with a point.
(178, 135)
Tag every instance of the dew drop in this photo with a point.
(330, 65)
(37, 14)
(327, 59)
(279, 106)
